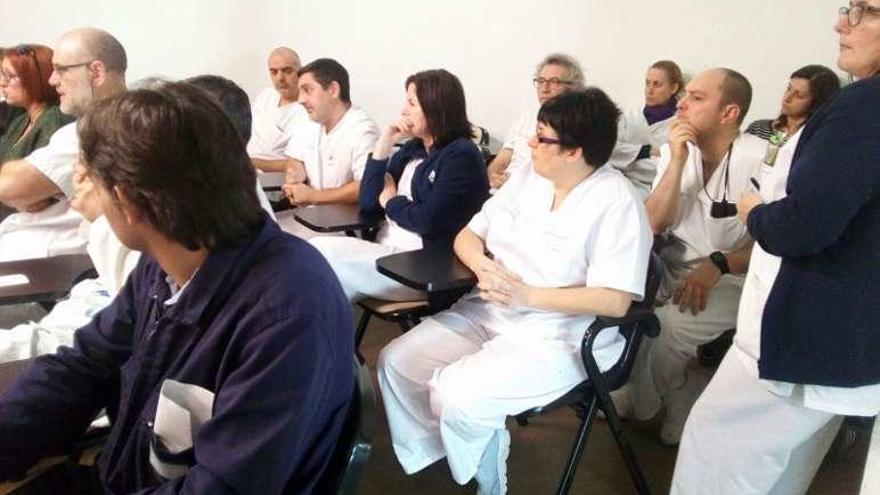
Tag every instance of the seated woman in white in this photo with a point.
(568, 242)
(429, 189)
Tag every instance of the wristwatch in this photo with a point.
(719, 260)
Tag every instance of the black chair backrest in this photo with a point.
(344, 472)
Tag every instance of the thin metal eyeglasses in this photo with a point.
(855, 13)
(553, 81)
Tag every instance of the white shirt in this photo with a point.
(696, 234)
(518, 141)
(274, 125)
(763, 269)
(394, 235)
(54, 230)
(335, 158)
(597, 237)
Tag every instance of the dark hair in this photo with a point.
(441, 97)
(33, 65)
(737, 90)
(824, 84)
(326, 71)
(673, 73)
(231, 98)
(179, 159)
(585, 119)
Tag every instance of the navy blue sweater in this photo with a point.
(265, 327)
(821, 324)
(448, 188)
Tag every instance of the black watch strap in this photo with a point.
(719, 260)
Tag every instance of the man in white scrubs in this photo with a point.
(704, 169)
(276, 113)
(88, 64)
(329, 157)
(556, 73)
(569, 241)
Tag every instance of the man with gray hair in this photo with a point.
(88, 64)
(556, 73)
(276, 113)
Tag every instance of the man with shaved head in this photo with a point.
(88, 64)
(703, 170)
(276, 113)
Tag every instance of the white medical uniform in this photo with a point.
(770, 436)
(660, 371)
(354, 260)
(632, 134)
(449, 383)
(273, 126)
(517, 141)
(642, 171)
(54, 230)
(113, 262)
(331, 159)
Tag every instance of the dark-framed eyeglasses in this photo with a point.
(553, 82)
(61, 69)
(855, 13)
(547, 140)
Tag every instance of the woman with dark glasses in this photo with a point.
(24, 81)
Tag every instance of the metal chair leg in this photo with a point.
(359, 334)
(577, 449)
(626, 451)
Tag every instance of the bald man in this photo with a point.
(276, 113)
(88, 64)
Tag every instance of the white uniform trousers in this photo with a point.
(354, 262)
(741, 439)
(871, 479)
(448, 385)
(661, 366)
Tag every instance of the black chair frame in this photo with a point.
(593, 394)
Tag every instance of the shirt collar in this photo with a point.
(216, 276)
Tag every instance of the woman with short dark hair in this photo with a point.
(428, 189)
(563, 242)
(24, 80)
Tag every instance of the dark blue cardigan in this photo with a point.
(821, 324)
(448, 188)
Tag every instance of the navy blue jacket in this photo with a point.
(821, 324)
(265, 327)
(448, 188)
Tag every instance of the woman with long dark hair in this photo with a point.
(428, 189)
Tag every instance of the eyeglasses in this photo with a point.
(547, 140)
(553, 82)
(61, 69)
(8, 77)
(855, 13)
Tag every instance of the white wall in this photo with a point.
(491, 45)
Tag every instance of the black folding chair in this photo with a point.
(594, 393)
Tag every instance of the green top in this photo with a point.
(47, 123)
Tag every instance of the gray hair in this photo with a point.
(573, 72)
